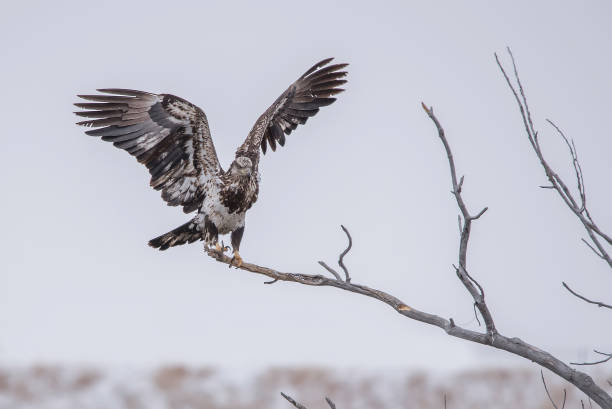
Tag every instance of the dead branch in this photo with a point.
(347, 276)
(491, 338)
(293, 402)
(298, 405)
(514, 345)
(550, 397)
(577, 205)
(598, 303)
(601, 361)
(344, 253)
(470, 284)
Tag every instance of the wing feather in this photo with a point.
(167, 134)
(302, 100)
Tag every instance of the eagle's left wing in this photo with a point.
(167, 134)
(314, 89)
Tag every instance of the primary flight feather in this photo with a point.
(171, 137)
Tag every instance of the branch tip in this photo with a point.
(331, 404)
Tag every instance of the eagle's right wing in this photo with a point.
(167, 134)
(314, 89)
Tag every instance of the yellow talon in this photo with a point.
(219, 248)
(237, 259)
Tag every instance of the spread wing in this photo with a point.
(167, 134)
(299, 102)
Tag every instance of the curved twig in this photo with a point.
(344, 253)
(550, 397)
(609, 356)
(597, 303)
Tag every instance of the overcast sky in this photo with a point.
(78, 284)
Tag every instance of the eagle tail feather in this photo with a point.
(186, 233)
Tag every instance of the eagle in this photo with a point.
(171, 137)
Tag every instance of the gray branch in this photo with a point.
(597, 303)
(514, 345)
(577, 205)
(491, 337)
(601, 361)
(298, 405)
(469, 283)
(550, 397)
(347, 276)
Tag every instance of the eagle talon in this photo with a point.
(237, 259)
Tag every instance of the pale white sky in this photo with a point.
(79, 285)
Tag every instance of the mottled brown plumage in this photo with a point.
(171, 137)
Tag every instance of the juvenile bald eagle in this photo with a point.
(170, 136)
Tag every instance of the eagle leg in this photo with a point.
(236, 239)
(236, 260)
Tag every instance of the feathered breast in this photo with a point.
(239, 195)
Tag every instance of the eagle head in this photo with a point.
(242, 166)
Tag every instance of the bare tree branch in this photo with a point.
(347, 276)
(331, 404)
(331, 270)
(293, 402)
(468, 282)
(608, 357)
(550, 397)
(514, 345)
(598, 303)
(577, 205)
(298, 405)
(492, 338)
(344, 253)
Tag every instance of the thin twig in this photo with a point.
(609, 356)
(476, 314)
(344, 253)
(598, 303)
(331, 270)
(597, 253)
(548, 393)
(331, 404)
(298, 405)
(293, 402)
(480, 213)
